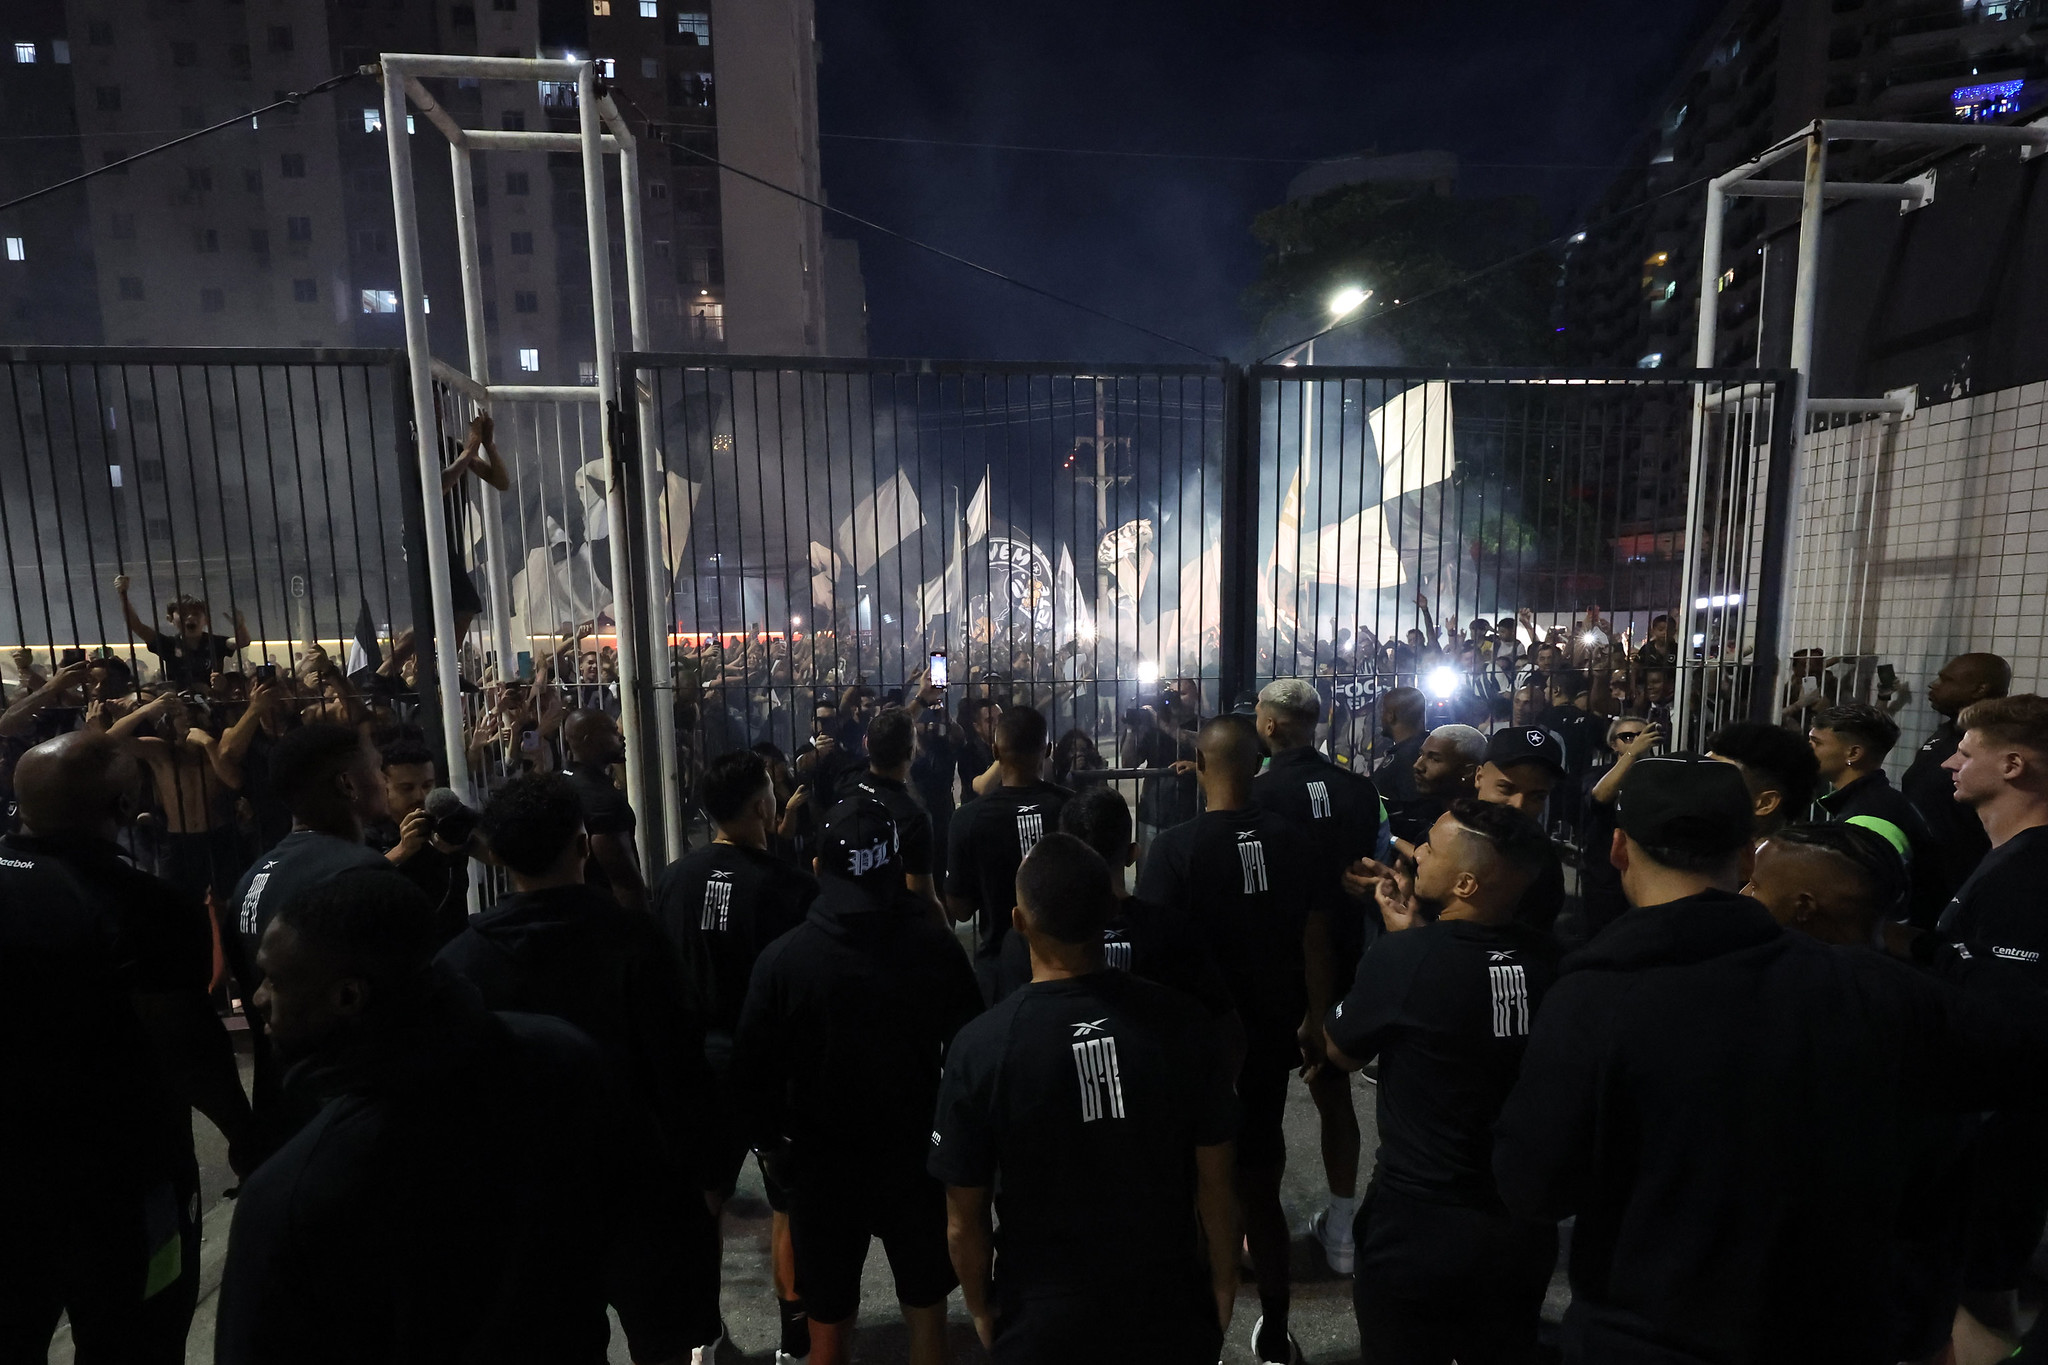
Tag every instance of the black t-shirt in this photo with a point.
(1247, 880)
(1081, 1102)
(913, 826)
(1958, 833)
(81, 930)
(1581, 732)
(721, 905)
(443, 878)
(1542, 902)
(189, 667)
(1339, 810)
(273, 819)
(2002, 910)
(1394, 775)
(1446, 1008)
(605, 811)
(301, 861)
(1147, 941)
(987, 844)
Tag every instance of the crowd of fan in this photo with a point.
(1785, 1081)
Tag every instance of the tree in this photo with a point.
(1404, 243)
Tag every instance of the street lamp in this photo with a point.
(1347, 300)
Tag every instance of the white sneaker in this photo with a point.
(1293, 1356)
(707, 1354)
(785, 1358)
(1341, 1254)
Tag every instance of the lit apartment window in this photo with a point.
(305, 291)
(707, 321)
(694, 28)
(525, 301)
(529, 360)
(607, 68)
(586, 371)
(373, 120)
(380, 300)
(25, 53)
(17, 249)
(650, 9)
(601, 9)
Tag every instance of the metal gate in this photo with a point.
(1433, 528)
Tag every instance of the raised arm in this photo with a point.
(1609, 786)
(139, 628)
(19, 717)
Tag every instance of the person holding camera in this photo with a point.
(431, 849)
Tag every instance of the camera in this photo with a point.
(454, 823)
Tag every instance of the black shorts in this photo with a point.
(831, 1223)
(1442, 1282)
(1262, 1102)
(461, 587)
(1171, 1324)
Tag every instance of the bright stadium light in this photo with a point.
(1148, 673)
(1442, 682)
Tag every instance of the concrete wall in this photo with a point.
(1924, 538)
(766, 54)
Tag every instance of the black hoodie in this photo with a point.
(845, 1026)
(475, 1186)
(574, 952)
(1733, 1111)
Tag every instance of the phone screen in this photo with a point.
(938, 668)
(70, 657)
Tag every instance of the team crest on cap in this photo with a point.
(1535, 737)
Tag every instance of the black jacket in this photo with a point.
(574, 952)
(1927, 864)
(1733, 1111)
(845, 1025)
(475, 1187)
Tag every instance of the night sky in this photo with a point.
(1534, 98)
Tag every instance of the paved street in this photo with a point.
(1322, 1301)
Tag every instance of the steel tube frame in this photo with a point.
(497, 575)
(419, 352)
(401, 73)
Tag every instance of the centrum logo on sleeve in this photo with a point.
(2016, 954)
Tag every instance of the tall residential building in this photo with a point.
(1760, 71)
(281, 232)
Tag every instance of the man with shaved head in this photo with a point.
(1964, 679)
(1250, 883)
(107, 1040)
(595, 746)
(1444, 770)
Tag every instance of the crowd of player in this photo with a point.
(1784, 1082)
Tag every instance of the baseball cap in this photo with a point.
(857, 841)
(1526, 744)
(1684, 801)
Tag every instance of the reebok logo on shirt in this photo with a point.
(1102, 1085)
(1030, 829)
(1083, 1029)
(1510, 990)
(10, 862)
(1251, 856)
(1318, 800)
(717, 901)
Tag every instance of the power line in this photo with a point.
(1520, 256)
(655, 132)
(291, 98)
(1202, 156)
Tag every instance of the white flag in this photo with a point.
(1071, 618)
(977, 513)
(879, 523)
(825, 568)
(1412, 434)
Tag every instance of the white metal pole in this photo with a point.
(1696, 471)
(418, 348)
(653, 489)
(1805, 301)
(498, 583)
(629, 630)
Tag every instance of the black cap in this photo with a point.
(1685, 802)
(858, 841)
(1526, 744)
(1247, 704)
